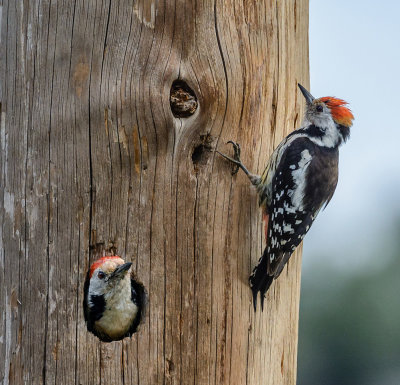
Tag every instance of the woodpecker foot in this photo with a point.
(254, 179)
(236, 158)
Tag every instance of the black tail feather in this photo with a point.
(260, 281)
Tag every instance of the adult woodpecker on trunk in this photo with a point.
(113, 300)
(299, 179)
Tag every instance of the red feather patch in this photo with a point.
(99, 262)
(341, 114)
(266, 219)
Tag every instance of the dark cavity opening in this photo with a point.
(202, 151)
(182, 99)
(198, 154)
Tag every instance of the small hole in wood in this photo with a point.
(183, 100)
(197, 154)
(202, 151)
(170, 366)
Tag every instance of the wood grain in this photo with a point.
(94, 162)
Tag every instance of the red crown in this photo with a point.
(341, 114)
(99, 262)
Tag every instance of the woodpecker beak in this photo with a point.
(120, 271)
(307, 95)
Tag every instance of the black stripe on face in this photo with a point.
(97, 307)
(345, 131)
(315, 132)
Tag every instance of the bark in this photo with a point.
(97, 158)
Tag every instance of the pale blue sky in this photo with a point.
(355, 55)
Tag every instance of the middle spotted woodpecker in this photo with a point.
(299, 179)
(114, 300)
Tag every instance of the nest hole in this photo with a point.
(183, 100)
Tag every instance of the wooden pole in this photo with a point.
(99, 156)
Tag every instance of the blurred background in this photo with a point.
(350, 296)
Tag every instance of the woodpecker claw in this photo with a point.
(237, 150)
(236, 160)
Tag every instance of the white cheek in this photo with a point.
(331, 137)
(97, 286)
(324, 121)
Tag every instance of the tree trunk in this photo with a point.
(99, 156)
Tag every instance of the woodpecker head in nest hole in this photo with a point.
(114, 300)
(330, 117)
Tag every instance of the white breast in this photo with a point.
(120, 310)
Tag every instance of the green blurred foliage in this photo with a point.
(350, 324)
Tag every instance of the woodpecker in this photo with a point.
(113, 299)
(299, 179)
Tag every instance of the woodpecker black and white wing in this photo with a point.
(265, 187)
(303, 180)
(289, 218)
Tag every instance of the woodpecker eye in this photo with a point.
(101, 275)
(319, 108)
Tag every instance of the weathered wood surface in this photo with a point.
(93, 161)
